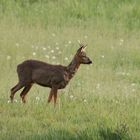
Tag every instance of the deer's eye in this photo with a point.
(83, 56)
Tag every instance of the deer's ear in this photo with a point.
(79, 50)
(82, 48)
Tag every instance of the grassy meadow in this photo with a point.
(102, 101)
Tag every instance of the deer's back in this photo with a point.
(42, 73)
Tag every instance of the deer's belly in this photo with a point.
(44, 84)
(50, 79)
(43, 81)
(60, 85)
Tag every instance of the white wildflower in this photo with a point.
(52, 51)
(78, 41)
(36, 47)
(112, 47)
(120, 43)
(44, 48)
(121, 40)
(85, 36)
(53, 34)
(98, 86)
(117, 102)
(71, 96)
(15, 100)
(119, 85)
(79, 84)
(32, 46)
(128, 74)
(123, 73)
(66, 58)
(57, 48)
(133, 84)
(37, 98)
(8, 101)
(102, 56)
(133, 90)
(8, 57)
(69, 42)
(85, 100)
(17, 44)
(34, 53)
(59, 52)
(53, 57)
(56, 43)
(47, 56)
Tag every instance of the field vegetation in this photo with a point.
(102, 101)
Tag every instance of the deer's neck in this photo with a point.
(73, 67)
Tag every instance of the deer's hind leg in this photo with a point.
(14, 90)
(24, 92)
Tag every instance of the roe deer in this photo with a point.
(44, 74)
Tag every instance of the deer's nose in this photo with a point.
(90, 62)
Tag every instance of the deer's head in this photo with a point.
(81, 55)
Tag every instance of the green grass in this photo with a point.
(102, 101)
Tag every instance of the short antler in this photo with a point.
(82, 45)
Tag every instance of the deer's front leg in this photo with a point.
(50, 96)
(53, 93)
(55, 98)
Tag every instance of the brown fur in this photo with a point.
(47, 75)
